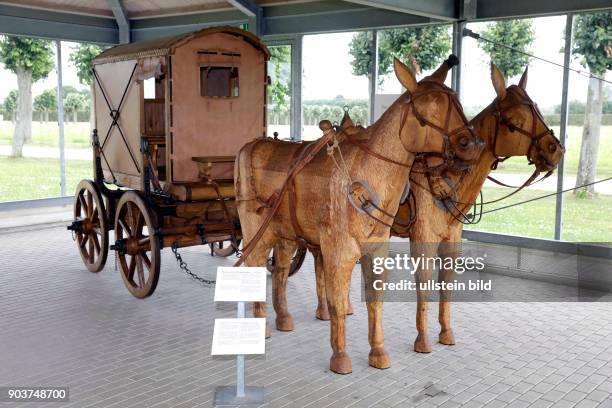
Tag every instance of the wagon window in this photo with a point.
(219, 81)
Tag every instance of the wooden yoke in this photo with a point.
(309, 153)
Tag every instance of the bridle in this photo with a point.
(447, 155)
(535, 150)
(366, 205)
(502, 120)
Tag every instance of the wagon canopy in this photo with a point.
(166, 45)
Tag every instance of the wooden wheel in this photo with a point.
(89, 225)
(223, 248)
(138, 249)
(296, 263)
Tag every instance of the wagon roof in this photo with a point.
(165, 45)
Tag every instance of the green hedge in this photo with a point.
(576, 119)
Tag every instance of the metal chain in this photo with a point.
(185, 268)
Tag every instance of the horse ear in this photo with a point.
(499, 82)
(523, 82)
(405, 75)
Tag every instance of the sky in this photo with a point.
(328, 73)
(327, 69)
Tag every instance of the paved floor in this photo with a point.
(61, 325)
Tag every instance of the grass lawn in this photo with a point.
(584, 220)
(47, 134)
(28, 178)
(572, 154)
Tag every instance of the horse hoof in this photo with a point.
(268, 332)
(379, 358)
(421, 344)
(349, 308)
(340, 363)
(284, 323)
(447, 337)
(322, 313)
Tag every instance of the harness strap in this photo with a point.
(305, 159)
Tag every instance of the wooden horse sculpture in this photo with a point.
(511, 125)
(320, 208)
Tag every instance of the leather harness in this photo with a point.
(305, 153)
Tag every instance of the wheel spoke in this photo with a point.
(83, 204)
(84, 239)
(89, 204)
(91, 250)
(131, 221)
(130, 274)
(146, 260)
(144, 241)
(125, 228)
(141, 277)
(94, 238)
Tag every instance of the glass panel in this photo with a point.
(542, 37)
(331, 81)
(586, 212)
(279, 92)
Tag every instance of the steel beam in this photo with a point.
(246, 7)
(60, 119)
(495, 9)
(122, 20)
(57, 25)
(150, 28)
(458, 27)
(326, 18)
(437, 9)
(296, 88)
(567, 54)
(373, 74)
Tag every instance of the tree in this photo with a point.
(46, 102)
(593, 45)
(10, 104)
(279, 91)
(73, 103)
(422, 48)
(516, 34)
(31, 60)
(82, 57)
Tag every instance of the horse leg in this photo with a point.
(446, 336)
(283, 253)
(322, 312)
(337, 274)
(378, 357)
(422, 276)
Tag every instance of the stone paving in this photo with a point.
(61, 325)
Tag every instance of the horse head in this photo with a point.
(433, 120)
(520, 127)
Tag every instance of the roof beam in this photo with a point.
(247, 7)
(495, 9)
(122, 20)
(437, 9)
(279, 20)
(30, 22)
(150, 28)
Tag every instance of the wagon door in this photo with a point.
(117, 106)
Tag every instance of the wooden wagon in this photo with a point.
(170, 116)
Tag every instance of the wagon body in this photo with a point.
(170, 116)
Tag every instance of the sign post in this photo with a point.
(240, 336)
